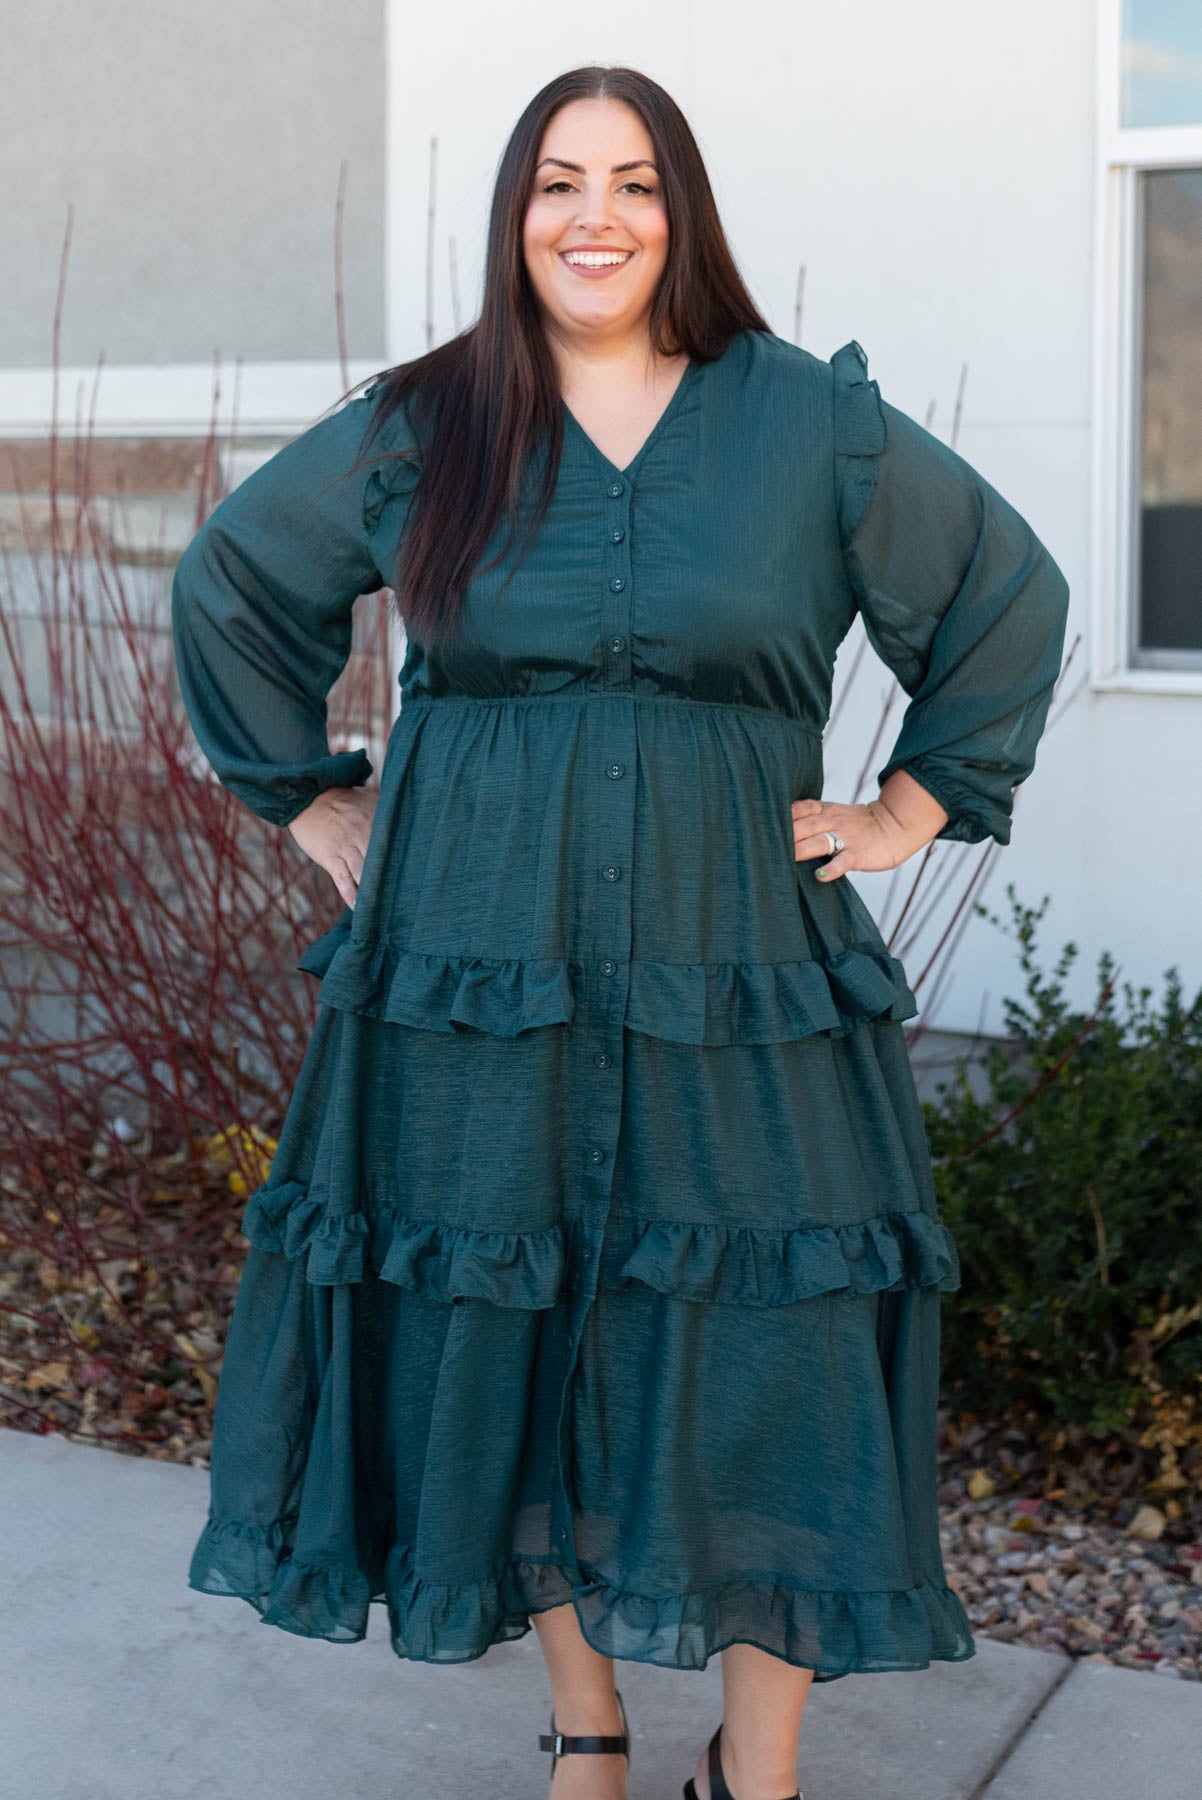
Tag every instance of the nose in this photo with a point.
(596, 208)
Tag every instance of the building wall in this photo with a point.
(200, 149)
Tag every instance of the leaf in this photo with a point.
(1148, 1523)
(50, 1375)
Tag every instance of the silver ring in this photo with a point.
(835, 841)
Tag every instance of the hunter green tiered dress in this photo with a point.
(600, 1259)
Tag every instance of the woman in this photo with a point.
(595, 1285)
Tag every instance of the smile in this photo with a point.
(596, 259)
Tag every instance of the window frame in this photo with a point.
(1124, 154)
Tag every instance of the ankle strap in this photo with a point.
(718, 1787)
(559, 1743)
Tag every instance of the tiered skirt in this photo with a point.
(702, 1412)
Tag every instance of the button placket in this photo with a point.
(611, 737)
(615, 812)
(615, 607)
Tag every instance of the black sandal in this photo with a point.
(718, 1787)
(559, 1745)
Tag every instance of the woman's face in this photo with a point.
(596, 188)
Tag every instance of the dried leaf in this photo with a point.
(50, 1375)
(1148, 1522)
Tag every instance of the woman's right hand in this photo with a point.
(333, 830)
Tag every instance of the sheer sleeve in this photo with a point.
(261, 617)
(959, 598)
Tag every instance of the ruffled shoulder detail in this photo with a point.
(399, 475)
(859, 433)
(400, 467)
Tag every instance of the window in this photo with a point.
(1162, 63)
(1168, 618)
(1148, 373)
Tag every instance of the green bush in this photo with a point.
(1068, 1165)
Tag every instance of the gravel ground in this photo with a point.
(1031, 1572)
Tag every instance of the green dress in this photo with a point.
(600, 1259)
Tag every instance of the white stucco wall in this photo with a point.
(199, 148)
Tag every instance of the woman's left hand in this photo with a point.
(878, 835)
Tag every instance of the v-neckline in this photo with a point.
(627, 472)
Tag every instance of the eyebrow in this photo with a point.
(618, 168)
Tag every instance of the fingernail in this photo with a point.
(820, 874)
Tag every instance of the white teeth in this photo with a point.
(596, 259)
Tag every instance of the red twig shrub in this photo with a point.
(151, 1018)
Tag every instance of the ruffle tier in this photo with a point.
(685, 1003)
(832, 1631)
(752, 1265)
(443, 1262)
(739, 1265)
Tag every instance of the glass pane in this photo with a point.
(1170, 497)
(1162, 62)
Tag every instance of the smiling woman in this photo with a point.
(595, 240)
(595, 1285)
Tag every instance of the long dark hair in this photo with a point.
(481, 403)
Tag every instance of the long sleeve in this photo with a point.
(261, 618)
(959, 598)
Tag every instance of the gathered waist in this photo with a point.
(526, 851)
(575, 697)
(652, 831)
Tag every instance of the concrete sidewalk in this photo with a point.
(117, 1682)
